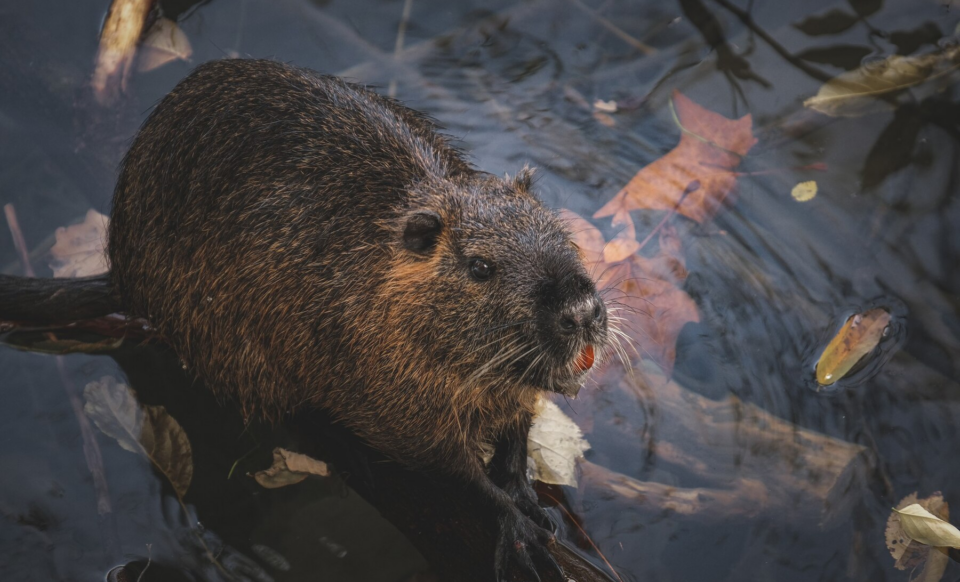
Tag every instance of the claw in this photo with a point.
(522, 552)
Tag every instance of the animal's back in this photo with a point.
(250, 207)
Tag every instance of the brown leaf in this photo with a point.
(586, 236)
(148, 431)
(81, 249)
(646, 302)
(290, 468)
(709, 151)
(858, 337)
(873, 87)
(907, 553)
(625, 243)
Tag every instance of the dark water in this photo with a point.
(772, 278)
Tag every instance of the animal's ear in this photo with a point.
(524, 179)
(421, 231)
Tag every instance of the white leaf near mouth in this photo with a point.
(554, 444)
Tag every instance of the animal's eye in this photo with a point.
(480, 269)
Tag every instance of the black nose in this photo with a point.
(582, 315)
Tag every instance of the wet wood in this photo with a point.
(746, 460)
(453, 530)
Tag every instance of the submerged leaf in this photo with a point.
(922, 526)
(697, 177)
(858, 337)
(873, 86)
(147, 431)
(290, 468)
(164, 42)
(554, 444)
(114, 409)
(81, 249)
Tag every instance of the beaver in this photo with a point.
(301, 241)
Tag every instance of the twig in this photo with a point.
(91, 450)
(149, 559)
(693, 186)
(747, 20)
(398, 47)
(616, 30)
(19, 243)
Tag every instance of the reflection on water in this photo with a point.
(734, 459)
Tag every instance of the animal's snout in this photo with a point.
(581, 316)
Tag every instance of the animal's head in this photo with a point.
(500, 284)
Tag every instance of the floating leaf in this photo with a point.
(118, 46)
(148, 431)
(554, 444)
(164, 42)
(873, 86)
(858, 337)
(709, 151)
(922, 526)
(804, 191)
(81, 249)
(290, 468)
(909, 554)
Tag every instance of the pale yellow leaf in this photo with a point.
(804, 191)
(922, 526)
(164, 42)
(81, 249)
(873, 86)
(605, 106)
(289, 468)
(553, 445)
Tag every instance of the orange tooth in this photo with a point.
(585, 359)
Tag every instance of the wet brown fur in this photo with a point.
(258, 224)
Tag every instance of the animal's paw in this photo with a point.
(525, 499)
(522, 552)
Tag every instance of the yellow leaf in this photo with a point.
(289, 468)
(871, 88)
(804, 191)
(857, 338)
(922, 526)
